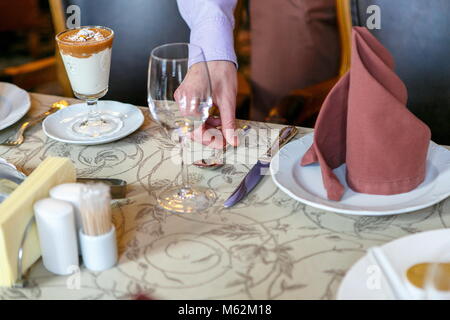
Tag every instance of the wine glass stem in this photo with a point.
(186, 188)
(93, 114)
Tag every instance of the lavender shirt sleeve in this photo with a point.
(211, 23)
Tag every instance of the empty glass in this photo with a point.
(179, 98)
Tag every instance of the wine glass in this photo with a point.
(179, 98)
(86, 54)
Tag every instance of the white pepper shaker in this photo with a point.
(69, 192)
(57, 235)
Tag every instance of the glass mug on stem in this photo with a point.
(86, 54)
(179, 98)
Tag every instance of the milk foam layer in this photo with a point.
(86, 35)
(88, 76)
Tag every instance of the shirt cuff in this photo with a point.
(215, 37)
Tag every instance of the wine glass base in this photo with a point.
(195, 199)
(102, 126)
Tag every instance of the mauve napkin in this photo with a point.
(364, 123)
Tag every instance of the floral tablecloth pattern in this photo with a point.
(268, 246)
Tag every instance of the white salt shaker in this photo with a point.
(69, 192)
(57, 235)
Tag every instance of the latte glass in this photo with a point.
(86, 53)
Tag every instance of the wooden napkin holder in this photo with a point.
(19, 242)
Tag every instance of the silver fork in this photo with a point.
(18, 138)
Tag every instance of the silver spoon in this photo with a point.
(216, 160)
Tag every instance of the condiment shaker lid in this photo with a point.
(67, 191)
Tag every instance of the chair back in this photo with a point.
(139, 26)
(416, 32)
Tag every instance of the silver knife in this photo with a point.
(117, 187)
(255, 174)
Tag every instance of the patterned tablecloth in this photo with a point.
(269, 246)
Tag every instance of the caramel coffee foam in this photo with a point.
(85, 41)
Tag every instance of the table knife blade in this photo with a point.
(118, 187)
(257, 172)
(250, 181)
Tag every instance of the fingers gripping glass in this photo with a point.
(179, 98)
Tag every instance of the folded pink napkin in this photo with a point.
(364, 123)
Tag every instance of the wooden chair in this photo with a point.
(302, 106)
(29, 75)
(59, 25)
(26, 16)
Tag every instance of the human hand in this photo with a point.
(223, 75)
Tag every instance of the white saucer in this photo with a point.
(14, 104)
(58, 125)
(305, 184)
(359, 282)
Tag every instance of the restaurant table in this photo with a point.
(268, 246)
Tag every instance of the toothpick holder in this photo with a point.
(99, 252)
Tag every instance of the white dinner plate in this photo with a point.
(9, 172)
(305, 184)
(14, 104)
(58, 125)
(360, 283)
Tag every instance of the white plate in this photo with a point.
(9, 171)
(305, 184)
(57, 126)
(402, 254)
(14, 104)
